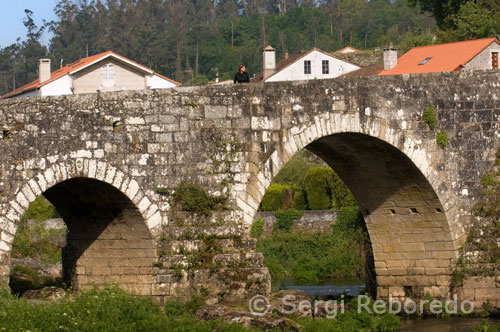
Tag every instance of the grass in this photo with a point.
(306, 256)
(111, 309)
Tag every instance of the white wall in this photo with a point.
(295, 71)
(157, 82)
(61, 86)
(483, 59)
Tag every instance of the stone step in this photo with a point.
(226, 245)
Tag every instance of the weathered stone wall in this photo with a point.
(314, 221)
(416, 197)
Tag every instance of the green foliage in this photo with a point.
(33, 239)
(257, 228)
(486, 326)
(294, 170)
(113, 310)
(40, 209)
(273, 198)
(430, 117)
(299, 199)
(474, 20)
(285, 220)
(442, 138)
(317, 183)
(306, 256)
(191, 197)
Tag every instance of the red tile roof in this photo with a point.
(79, 65)
(443, 57)
(348, 48)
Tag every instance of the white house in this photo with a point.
(313, 64)
(104, 72)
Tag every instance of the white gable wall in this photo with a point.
(157, 82)
(483, 60)
(61, 86)
(295, 71)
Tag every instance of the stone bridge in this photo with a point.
(110, 163)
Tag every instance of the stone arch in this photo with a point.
(418, 257)
(114, 243)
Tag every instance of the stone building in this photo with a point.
(103, 72)
(476, 54)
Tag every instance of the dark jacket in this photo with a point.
(241, 77)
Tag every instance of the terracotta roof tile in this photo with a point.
(442, 57)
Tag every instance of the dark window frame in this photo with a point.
(325, 67)
(307, 67)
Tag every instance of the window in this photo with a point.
(108, 74)
(494, 60)
(325, 66)
(307, 66)
(424, 61)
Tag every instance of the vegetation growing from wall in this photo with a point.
(192, 198)
(480, 255)
(430, 117)
(442, 138)
(306, 183)
(309, 257)
(33, 239)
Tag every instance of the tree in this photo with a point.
(475, 21)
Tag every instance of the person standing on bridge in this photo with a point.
(241, 76)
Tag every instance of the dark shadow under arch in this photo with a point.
(108, 240)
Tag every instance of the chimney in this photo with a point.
(269, 56)
(43, 70)
(390, 57)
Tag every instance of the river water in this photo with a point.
(351, 288)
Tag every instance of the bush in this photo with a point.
(257, 228)
(317, 183)
(273, 198)
(285, 219)
(299, 199)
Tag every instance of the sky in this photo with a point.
(12, 15)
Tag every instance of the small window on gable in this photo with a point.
(424, 61)
(307, 66)
(325, 65)
(108, 74)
